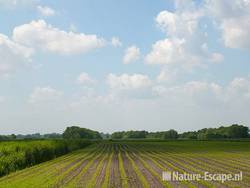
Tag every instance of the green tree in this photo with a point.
(75, 132)
(171, 134)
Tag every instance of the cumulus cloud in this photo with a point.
(13, 55)
(126, 81)
(236, 32)
(179, 23)
(183, 43)
(84, 78)
(166, 51)
(40, 35)
(171, 51)
(46, 11)
(44, 94)
(131, 55)
(116, 42)
(234, 21)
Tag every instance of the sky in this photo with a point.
(123, 65)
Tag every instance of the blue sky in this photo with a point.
(109, 65)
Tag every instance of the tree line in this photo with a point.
(230, 132)
(171, 134)
(74, 132)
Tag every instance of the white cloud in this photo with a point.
(217, 57)
(188, 89)
(179, 23)
(84, 78)
(239, 87)
(46, 11)
(116, 42)
(236, 32)
(171, 51)
(13, 55)
(234, 20)
(212, 57)
(166, 51)
(183, 45)
(15, 47)
(166, 75)
(12, 4)
(204, 94)
(192, 93)
(44, 94)
(39, 34)
(126, 81)
(131, 54)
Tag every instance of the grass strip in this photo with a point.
(124, 177)
(107, 171)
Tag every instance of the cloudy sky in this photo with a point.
(120, 65)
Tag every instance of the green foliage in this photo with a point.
(232, 132)
(7, 137)
(105, 135)
(165, 135)
(171, 134)
(39, 136)
(16, 155)
(118, 135)
(135, 134)
(75, 132)
(188, 135)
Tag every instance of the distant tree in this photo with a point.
(232, 132)
(135, 134)
(105, 135)
(156, 135)
(12, 136)
(8, 137)
(188, 135)
(171, 134)
(75, 132)
(52, 135)
(118, 135)
(238, 131)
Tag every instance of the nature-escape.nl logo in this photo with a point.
(206, 176)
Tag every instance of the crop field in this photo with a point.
(138, 164)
